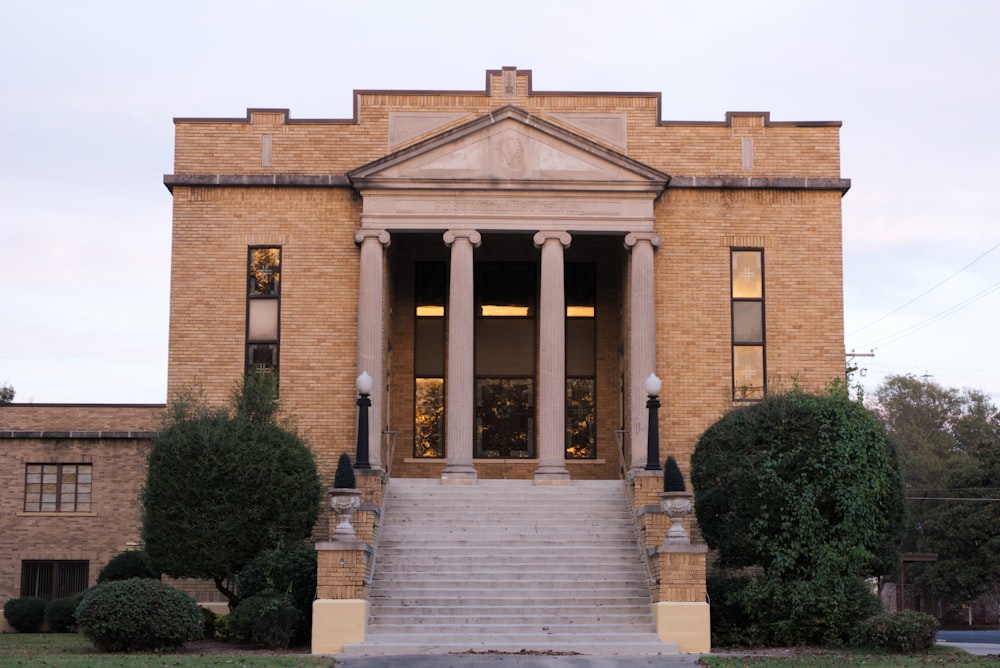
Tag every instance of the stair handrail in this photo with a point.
(639, 532)
(390, 445)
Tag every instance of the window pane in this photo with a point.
(505, 289)
(748, 322)
(429, 287)
(580, 347)
(263, 324)
(581, 438)
(264, 271)
(748, 372)
(428, 351)
(748, 280)
(505, 417)
(262, 356)
(505, 347)
(428, 428)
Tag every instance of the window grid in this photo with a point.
(263, 308)
(58, 488)
(749, 377)
(49, 580)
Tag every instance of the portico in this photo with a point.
(533, 188)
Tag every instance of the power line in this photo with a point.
(906, 331)
(924, 293)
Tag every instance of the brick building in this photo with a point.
(509, 266)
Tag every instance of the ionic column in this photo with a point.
(642, 336)
(371, 340)
(460, 378)
(552, 362)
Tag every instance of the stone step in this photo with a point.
(548, 600)
(632, 644)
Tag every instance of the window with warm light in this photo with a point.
(429, 286)
(747, 281)
(263, 308)
(581, 353)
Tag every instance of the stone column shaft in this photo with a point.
(642, 337)
(460, 378)
(552, 361)
(371, 330)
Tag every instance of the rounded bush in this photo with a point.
(266, 620)
(290, 570)
(25, 614)
(127, 565)
(902, 632)
(138, 615)
(60, 614)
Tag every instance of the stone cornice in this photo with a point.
(100, 435)
(342, 181)
(257, 180)
(761, 182)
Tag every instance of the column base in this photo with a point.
(459, 474)
(552, 475)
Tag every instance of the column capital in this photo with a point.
(381, 235)
(632, 238)
(563, 238)
(474, 237)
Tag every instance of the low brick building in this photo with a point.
(508, 265)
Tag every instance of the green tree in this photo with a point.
(6, 394)
(803, 493)
(949, 444)
(224, 484)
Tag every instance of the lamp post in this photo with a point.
(653, 386)
(364, 403)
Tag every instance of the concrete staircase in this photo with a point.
(506, 566)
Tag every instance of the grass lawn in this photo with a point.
(72, 650)
(951, 656)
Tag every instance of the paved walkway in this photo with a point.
(516, 661)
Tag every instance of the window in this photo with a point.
(54, 579)
(747, 280)
(263, 307)
(581, 373)
(505, 298)
(428, 359)
(57, 488)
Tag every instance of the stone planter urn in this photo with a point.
(676, 505)
(344, 503)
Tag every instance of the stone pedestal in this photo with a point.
(680, 607)
(340, 611)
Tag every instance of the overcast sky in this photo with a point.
(88, 91)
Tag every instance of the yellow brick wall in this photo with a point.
(111, 526)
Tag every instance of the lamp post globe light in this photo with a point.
(364, 385)
(653, 386)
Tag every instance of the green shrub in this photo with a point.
(344, 477)
(25, 614)
(127, 565)
(138, 615)
(731, 623)
(673, 481)
(60, 614)
(266, 620)
(902, 632)
(288, 570)
(211, 622)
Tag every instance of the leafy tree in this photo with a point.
(6, 394)
(223, 484)
(949, 444)
(802, 492)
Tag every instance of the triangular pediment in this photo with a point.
(509, 149)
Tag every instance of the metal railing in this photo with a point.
(639, 531)
(388, 452)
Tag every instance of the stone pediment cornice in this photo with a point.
(509, 149)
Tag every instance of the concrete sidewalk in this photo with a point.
(516, 661)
